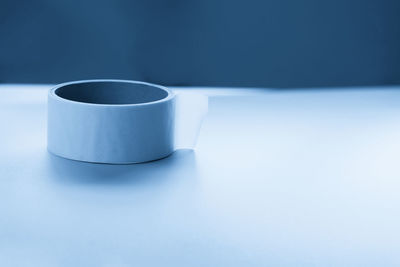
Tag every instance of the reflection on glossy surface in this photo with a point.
(150, 173)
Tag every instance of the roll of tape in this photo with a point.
(121, 121)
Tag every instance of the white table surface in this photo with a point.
(278, 178)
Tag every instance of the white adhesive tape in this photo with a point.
(120, 121)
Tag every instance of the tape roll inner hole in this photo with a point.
(114, 93)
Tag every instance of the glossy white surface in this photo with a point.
(279, 178)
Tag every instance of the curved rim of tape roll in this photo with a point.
(170, 94)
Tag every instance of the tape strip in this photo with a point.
(190, 111)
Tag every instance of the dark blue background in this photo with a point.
(280, 43)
